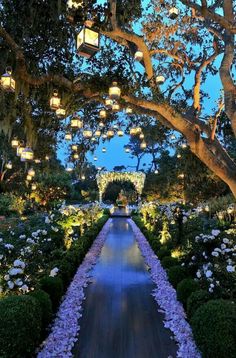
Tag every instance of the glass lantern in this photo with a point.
(104, 150)
(127, 150)
(31, 172)
(129, 110)
(184, 146)
(138, 56)
(87, 133)
(156, 171)
(141, 136)
(108, 103)
(95, 158)
(60, 112)
(55, 101)
(69, 167)
(160, 80)
(72, 4)
(29, 177)
(133, 131)
(178, 156)
(88, 42)
(68, 136)
(102, 114)
(120, 133)
(83, 177)
(37, 161)
(74, 147)
(47, 157)
(173, 13)
(76, 156)
(15, 143)
(7, 82)
(114, 91)
(33, 187)
(97, 133)
(115, 107)
(143, 145)
(101, 124)
(27, 154)
(181, 176)
(104, 136)
(76, 122)
(9, 165)
(110, 133)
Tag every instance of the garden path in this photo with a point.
(120, 317)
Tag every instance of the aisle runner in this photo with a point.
(165, 296)
(65, 329)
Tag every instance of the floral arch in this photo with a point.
(103, 179)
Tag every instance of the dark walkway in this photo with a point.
(120, 317)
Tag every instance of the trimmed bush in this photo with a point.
(46, 306)
(168, 262)
(185, 288)
(20, 326)
(195, 300)
(214, 329)
(176, 274)
(54, 287)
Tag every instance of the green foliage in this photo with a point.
(11, 204)
(169, 261)
(44, 300)
(20, 326)
(214, 329)
(163, 252)
(176, 274)
(195, 300)
(54, 287)
(185, 288)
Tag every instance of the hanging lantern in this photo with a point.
(93, 139)
(33, 187)
(19, 150)
(8, 165)
(76, 122)
(127, 149)
(104, 150)
(72, 4)
(115, 107)
(95, 158)
(7, 82)
(172, 137)
(47, 157)
(87, 133)
(55, 101)
(120, 133)
(108, 103)
(138, 56)
(29, 177)
(143, 145)
(97, 133)
(74, 147)
(141, 136)
(178, 156)
(156, 171)
(129, 110)
(104, 136)
(31, 172)
(27, 154)
(114, 91)
(133, 131)
(88, 42)
(99, 168)
(173, 13)
(76, 156)
(102, 114)
(83, 177)
(181, 176)
(69, 167)
(60, 112)
(160, 80)
(101, 124)
(15, 143)
(68, 136)
(37, 161)
(110, 133)
(184, 146)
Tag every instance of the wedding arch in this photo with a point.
(103, 179)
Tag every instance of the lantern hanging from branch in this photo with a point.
(88, 42)
(83, 177)
(101, 124)
(27, 154)
(95, 158)
(7, 82)
(104, 150)
(69, 167)
(68, 136)
(173, 13)
(15, 143)
(141, 136)
(29, 177)
(181, 176)
(127, 149)
(110, 133)
(8, 165)
(87, 133)
(104, 136)
(115, 107)
(129, 110)
(108, 103)
(102, 114)
(55, 101)
(160, 80)
(97, 133)
(156, 171)
(114, 91)
(138, 56)
(33, 187)
(31, 172)
(76, 122)
(72, 4)
(74, 147)
(179, 156)
(76, 156)
(143, 145)
(120, 133)
(60, 112)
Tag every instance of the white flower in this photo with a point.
(44, 232)
(24, 288)
(47, 220)
(54, 272)
(30, 241)
(6, 277)
(19, 263)
(215, 232)
(208, 273)
(198, 274)
(22, 237)
(10, 284)
(54, 228)
(215, 254)
(212, 285)
(210, 289)
(230, 268)
(225, 240)
(223, 246)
